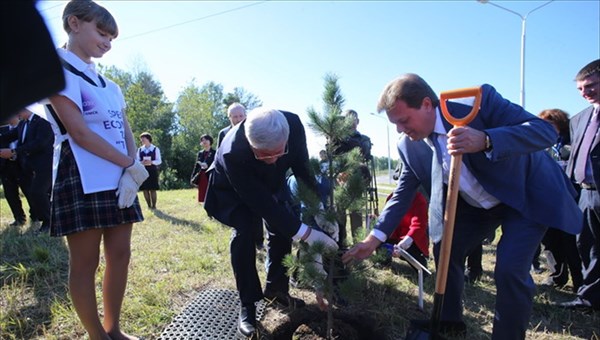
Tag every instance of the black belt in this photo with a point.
(587, 186)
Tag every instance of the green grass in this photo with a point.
(177, 251)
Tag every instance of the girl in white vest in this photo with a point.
(95, 193)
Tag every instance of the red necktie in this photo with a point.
(584, 148)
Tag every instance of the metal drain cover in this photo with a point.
(213, 314)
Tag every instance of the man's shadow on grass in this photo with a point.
(34, 277)
(196, 226)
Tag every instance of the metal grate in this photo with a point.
(213, 314)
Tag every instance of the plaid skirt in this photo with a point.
(73, 211)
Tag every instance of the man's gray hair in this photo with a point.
(266, 129)
(236, 107)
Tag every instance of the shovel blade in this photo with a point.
(417, 334)
(416, 331)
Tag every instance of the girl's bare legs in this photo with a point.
(84, 252)
(117, 252)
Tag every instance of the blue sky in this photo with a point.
(281, 50)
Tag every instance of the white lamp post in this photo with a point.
(387, 128)
(523, 23)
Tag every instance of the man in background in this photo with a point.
(584, 169)
(9, 175)
(363, 143)
(34, 152)
(236, 112)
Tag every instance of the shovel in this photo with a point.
(417, 332)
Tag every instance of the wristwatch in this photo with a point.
(488, 143)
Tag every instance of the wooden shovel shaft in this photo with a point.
(451, 201)
(449, 218)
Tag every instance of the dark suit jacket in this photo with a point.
(520, 172)
(35, 153)
(222, 134)
(4, 143)
(578, 125)
(240, 184)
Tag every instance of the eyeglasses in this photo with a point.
(269, 157)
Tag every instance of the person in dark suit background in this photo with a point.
(236, 112)
(9, 175)
(34, 152)
(507, 179)
(584, 168)
(363, 143)
(246, 184)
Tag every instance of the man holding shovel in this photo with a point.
(507, 180)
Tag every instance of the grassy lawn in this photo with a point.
(178, 251)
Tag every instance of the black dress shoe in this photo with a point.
(247, 321)
(472, 276)
(578, 303)
(44, 228)
(283, 299)
(453, 329)
(553, 282)
(17, 223)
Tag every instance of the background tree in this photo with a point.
(176, 128)
(240, 95)
(149, 110)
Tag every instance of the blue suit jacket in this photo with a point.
(519, 172)
(240, 184)
(578, 125)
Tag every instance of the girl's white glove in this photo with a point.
(133, 176)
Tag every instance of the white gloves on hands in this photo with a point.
(318, 236)
(320, 296)
(331, 228)
(138, 172)
(130, 182)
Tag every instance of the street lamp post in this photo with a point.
(387, 129)
(523, 23)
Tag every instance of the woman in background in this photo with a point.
(560, 247)
(149, 155)
(204, 159)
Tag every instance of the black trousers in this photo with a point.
(243, 257)
(588, 244)
(11, 182)
(37, 185)
(562, 247)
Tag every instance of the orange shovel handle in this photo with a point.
(461, 93)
